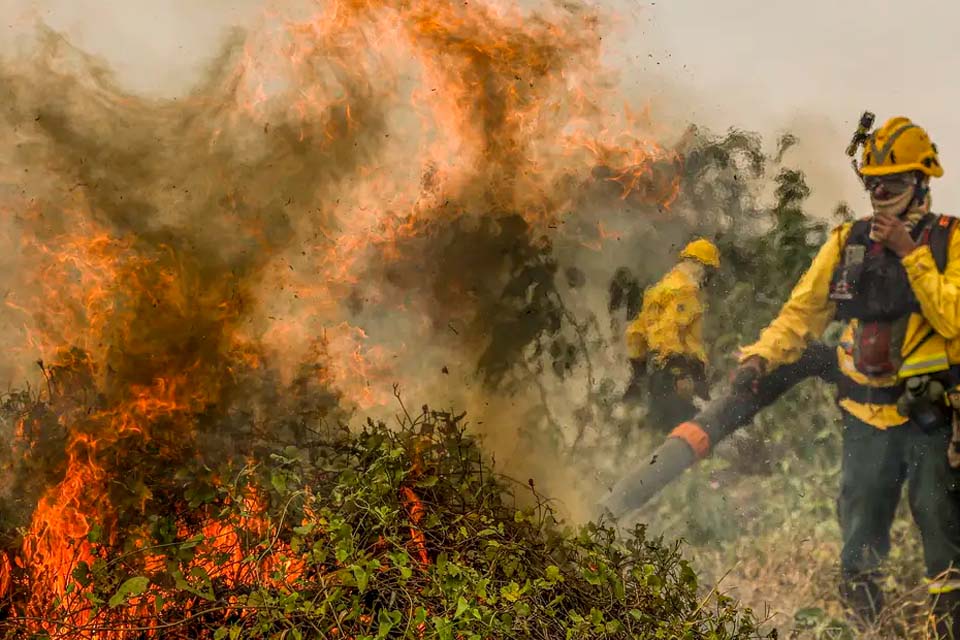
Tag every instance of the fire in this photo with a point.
(224, 541)
(416, 514)
(59, 538)
(92, 292)
(303, 191)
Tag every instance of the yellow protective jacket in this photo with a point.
(670, 321)
(804, 317)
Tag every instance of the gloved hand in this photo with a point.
(685, 387)
(746, 377)
(702, 388)
(635, 389)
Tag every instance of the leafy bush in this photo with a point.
(405, 533)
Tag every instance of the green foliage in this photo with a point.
(334, 550)
(763, 259)
(821, 626)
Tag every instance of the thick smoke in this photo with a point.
(356, 195)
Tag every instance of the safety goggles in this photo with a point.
(894, 184)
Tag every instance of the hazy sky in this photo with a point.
(761, 64)
(776, 61)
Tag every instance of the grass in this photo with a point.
(772, 540)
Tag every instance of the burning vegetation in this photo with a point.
(384, 533)
(201, 291)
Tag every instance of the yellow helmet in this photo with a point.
(899, 146)
(703, 251)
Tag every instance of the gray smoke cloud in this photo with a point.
(356, 205)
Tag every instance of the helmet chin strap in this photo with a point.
(921, 191)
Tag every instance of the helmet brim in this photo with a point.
(934, 171)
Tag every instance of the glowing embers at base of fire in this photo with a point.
(225, 546)
(77, 517)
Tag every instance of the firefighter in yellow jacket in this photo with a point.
(665, 341)
(893, 278)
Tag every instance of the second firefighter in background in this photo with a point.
(665, 341)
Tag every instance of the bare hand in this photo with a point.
(891, 231)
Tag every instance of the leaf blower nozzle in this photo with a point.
(691, 441)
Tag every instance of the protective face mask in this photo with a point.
(895, 205)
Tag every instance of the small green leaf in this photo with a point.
(361, 576)
(132, 587)
(462, 605)
(206, 592)
(592, 577)
(192, 542)
(510, 592)
(385, 623)
(619, 591)
(95, 534)
(481, 587)
(596, 616)
(808, 618)
(442, 625)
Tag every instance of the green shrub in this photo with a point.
(332, 549)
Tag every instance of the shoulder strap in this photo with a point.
(858, 233)
(860, 228)
(940, 234)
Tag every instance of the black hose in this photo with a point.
(718, 419)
